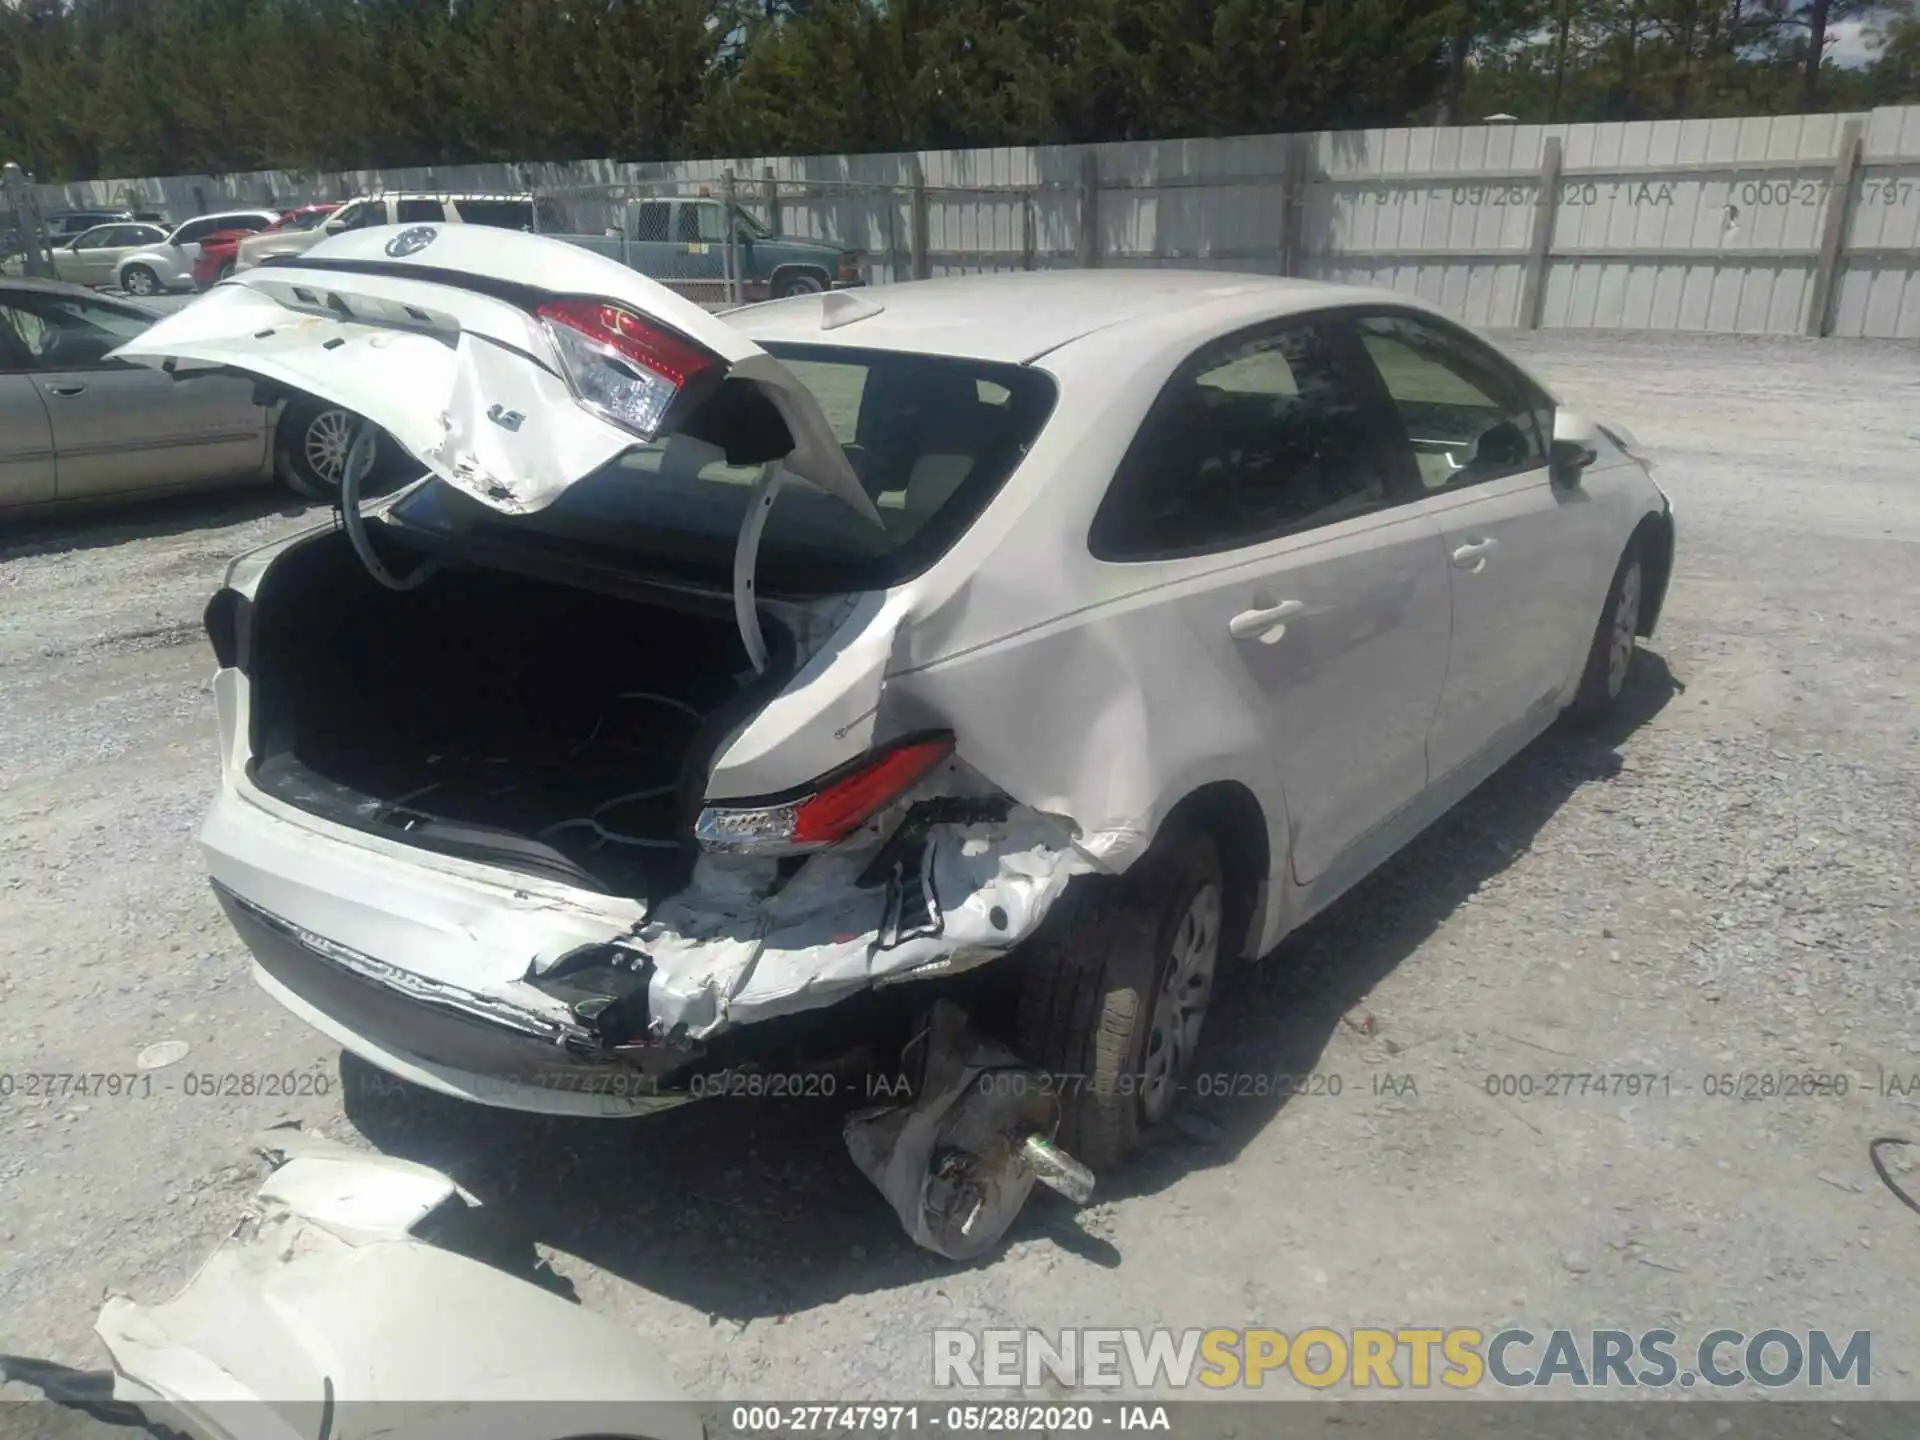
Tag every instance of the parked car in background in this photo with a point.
(61, 226)
(610, 759)
(503, 212)
(682, 244)
(215, 262)
(78, 426)
(157, 269)
(93, 257)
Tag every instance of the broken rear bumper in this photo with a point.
(489, 987)
(506, 1059)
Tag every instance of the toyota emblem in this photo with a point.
(411, 242)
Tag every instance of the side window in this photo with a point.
(500, 214)
(1252, 439)
(195, 231)
(59, 332)
(363, 214)
(687, 223)
(713, 223)
(417, 212)
(95, 239)
(650, 220)
(1470, 417)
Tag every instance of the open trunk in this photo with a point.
(496, 716)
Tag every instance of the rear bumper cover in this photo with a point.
(451, 975)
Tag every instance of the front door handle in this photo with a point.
(1266, 623)
(66, 389)
(1473, 555)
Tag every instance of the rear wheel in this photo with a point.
(802, 283)
(1610, 657)
(1115, 992)
(312, 442)
(140, 280)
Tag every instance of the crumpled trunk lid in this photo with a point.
(431, 333)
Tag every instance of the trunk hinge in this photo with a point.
(746, 551)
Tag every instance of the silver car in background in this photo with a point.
(77, 426)
(93, 257)
(168, 265)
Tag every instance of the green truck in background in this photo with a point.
(682, 243)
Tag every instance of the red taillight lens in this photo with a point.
(844, 806)
(620, 367)
(628, 335)
(825, 816)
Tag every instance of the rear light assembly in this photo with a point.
(827, 811)
(623, 368)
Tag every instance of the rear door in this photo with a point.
(1520, 550)
(1264, 494)
(26, 433)
(119, 427)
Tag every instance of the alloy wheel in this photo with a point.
(1626, 621)
(329, 435)
(1181, 1004)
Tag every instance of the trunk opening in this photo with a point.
(497, 716)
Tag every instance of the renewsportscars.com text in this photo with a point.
(1416, 1358)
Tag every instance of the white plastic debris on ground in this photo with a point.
(725, 952)
(323, 1314)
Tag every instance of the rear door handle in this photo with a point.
(1265, 624)
(1473, 555)
(67, 389)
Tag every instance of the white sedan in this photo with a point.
(733, 684)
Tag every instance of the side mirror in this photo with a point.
(333, 227)
(1575, 446)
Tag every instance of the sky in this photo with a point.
(1849, 45)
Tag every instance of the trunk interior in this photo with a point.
(495, 715)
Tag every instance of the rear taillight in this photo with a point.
(621, 367)
(829, 811)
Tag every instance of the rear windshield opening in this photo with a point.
(931, 438)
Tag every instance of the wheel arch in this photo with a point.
(1231, 813)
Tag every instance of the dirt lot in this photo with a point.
(1723, 884)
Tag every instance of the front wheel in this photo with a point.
(140, 280)
(311, 446)
(1116, 989)
(1610, 656)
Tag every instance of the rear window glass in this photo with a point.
(931, 438)
(501, 214)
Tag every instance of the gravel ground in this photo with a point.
(1722, 884)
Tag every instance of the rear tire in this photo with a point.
(1115, 990)
(801, 284)
(310, 445)
(1610, 656)
(140, 280)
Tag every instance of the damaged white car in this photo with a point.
(733, 687)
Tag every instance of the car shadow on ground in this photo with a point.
(96, 528)
(750, 1210)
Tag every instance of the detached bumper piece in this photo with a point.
(958, 1164)
(325, 1314)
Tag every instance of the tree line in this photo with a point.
(141, 87)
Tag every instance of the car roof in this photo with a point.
(1019, 317)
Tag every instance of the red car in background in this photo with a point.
(215, 261)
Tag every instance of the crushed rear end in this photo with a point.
(525, 825)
